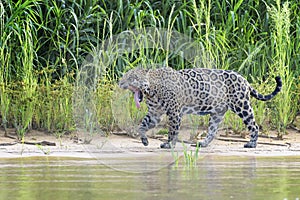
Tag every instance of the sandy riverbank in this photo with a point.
(73, 145)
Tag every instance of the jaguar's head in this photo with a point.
(136, 81)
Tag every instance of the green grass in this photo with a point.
(44, 44)
(286, 101)
(190, 157)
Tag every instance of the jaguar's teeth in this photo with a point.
(140, 96)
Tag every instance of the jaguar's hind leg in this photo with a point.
(253, 128)
(246, 113)
(214, 121)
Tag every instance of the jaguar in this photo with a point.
(199, 91)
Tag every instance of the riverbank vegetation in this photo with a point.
(44, 44)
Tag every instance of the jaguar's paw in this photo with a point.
(202, 144)
(250, 145)
(145, 141)
(166, 145)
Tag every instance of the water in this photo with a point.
(215, 177)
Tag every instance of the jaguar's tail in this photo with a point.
(261, 97)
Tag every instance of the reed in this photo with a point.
(23, 98)
(285, 104)
(190, 157)
(4, 64)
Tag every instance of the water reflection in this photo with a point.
(213, 178)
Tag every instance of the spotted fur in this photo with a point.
(193, 91)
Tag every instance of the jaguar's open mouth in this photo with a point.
(138, 96)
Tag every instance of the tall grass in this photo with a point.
(285, 105)
(4, 61)
(23, 97)
(43, 45)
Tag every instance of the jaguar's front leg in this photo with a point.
(149, 121)
(174, 125)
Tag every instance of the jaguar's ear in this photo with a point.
(144, 82)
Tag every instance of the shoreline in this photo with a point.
(116, 146)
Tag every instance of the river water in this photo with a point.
(145, 177)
